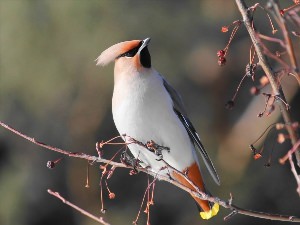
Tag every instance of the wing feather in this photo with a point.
(180, 112)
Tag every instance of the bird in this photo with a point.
(146, 107)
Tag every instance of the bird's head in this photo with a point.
(127, 55)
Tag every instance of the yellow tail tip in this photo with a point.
(209, 214)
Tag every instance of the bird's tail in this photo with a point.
(206, 209)
(209, 210)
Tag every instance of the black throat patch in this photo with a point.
(145, 58)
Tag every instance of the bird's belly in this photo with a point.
(150, 120)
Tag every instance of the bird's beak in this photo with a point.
(145, 43)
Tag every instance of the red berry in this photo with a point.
(222, 61)
(111, 195)
(254, 91)
(257, 156)
(224, 29)
(221, 53)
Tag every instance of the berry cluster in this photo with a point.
(221, 56)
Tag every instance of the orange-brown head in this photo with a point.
(127, 55)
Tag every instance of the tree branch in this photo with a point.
(289, 156)
(98, 219)
(226, 204)
(263, 62)
(288, 42)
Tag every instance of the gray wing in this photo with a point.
(180, 112)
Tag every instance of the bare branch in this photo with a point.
(290, 153)
(226, 204)
(272, 40)
(61, 151)
(98, 219)
(282, 24)
(277, 90)
(293, 169)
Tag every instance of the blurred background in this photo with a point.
(51, 89)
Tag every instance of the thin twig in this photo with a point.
(272, 40)
(198, 193)
(293, 169)
(296, 77)
(98, 219)
(147, 192)
(61, 151)
(290, 152)
(267, 52)
(282, 24)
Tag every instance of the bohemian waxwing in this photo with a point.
(146, 107)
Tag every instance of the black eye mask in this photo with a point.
(131, 52)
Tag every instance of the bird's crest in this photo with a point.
(114, 51)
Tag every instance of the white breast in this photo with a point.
(143, 109)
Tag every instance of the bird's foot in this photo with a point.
(130, 161)
(127, 159)
(156, 148)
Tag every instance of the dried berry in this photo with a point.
(222, 61)
(224, 29)
(229, 105)
(295, 125)
(221, 53)
(257, 156)
(280, 138)
(279, 126)
(264, 81)
(50, 164)
(111, 195)
(254, 91)
(250, 69)
(267, 165)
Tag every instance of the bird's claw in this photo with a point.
(157, 149)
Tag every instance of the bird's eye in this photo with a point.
(131, 53)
